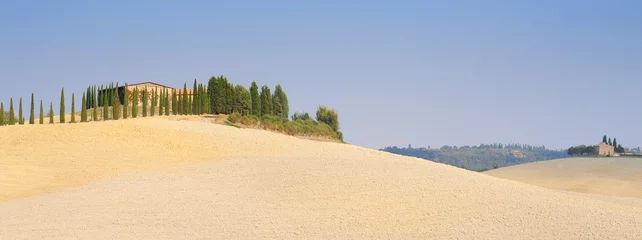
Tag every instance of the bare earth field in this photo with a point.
(161, 178)
(615, 176)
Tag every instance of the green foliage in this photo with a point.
(153, 108)
(328, 116)
(243, 99)
(105, 107)
(116, 111)
(614, 143)
(234, 117)
(174, 102)
(250, 120)
(482, 157)
(232, 124)
(125, 102)
(581, 150)
(94, 104)
(145, 100)
(619, 149)
(256, 100)
(21, 119)
(2, 113)
(135, 103)
(604, 139)
(302, 116)
(83, 109)
(218, 90)
(73, 109)
(12, 113)
(166, 102)
(32, 117)
(42, 114)
(195, 99)
(62, 106)
(280, 105)
(266, 100)
(51, 113)
(184, 100)
(610, 143)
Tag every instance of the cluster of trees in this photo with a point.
(480, 158)
(9, 117)
(226, 98)
(581, 150)
(515, 146)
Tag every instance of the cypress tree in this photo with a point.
(153, 110)
(161, 102)
(83, 109)
(256, 101)
(42, 114)
(62, 106)
(184, 100)
(116, 109)
(194, 99)
(126, 102)
(87, 99)
(145, 102)
(614, 142)
(174, 105)
(604, 139)
(32, 117)
(135, 103)
(1, 114)
(21, 119)
(610, 143)
(51, 114)
(73, 109)
(12, 113)
(94, 116)
(166, 102)
(179, 103)
(105, 107)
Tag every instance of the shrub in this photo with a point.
(302, 116)
(328, 116)
(234, 117)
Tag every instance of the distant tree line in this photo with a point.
(482, 157)
(590, 149)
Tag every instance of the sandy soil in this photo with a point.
(156, 178)
(616, 176)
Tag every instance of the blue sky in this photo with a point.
(554, 73)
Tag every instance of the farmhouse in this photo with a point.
(604, 149)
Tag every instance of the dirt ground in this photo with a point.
(166, 178)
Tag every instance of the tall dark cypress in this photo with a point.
(105, 107)
(145, 96)
(126, 102)
(32, 117)
(194, 97)
(83, 109)
(184, 100)
(166, 102)
(42, 114)
(116, 111)
(21, 119)
(94, 111)
(174, 105)
(135, 103)
(12, 113)
(2, 114)
(153, 108)
(73, 109)
(62, 106)
(51, 114)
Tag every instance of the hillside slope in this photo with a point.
(609, 176)
(162, 179)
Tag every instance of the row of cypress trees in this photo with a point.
(219, 96)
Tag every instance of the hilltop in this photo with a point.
(161, 178)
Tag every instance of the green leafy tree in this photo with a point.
(73, 109)
(243, 104)
(266, 101)
(2, 113)
(256, 100)
(278, 103)
(135, 103)
(62, 106)
(21, 118)
(230, 98)
(126, 102)
(285, 104)
(51, 113)
(329, 117)
(42, 114)
(32, 113)
(12, 113)
(303, 116)
(83, 109)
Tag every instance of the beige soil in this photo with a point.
(157, 178)
(615, 176)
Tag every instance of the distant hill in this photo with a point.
(481, 158)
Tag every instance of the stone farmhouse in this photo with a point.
(604, 149)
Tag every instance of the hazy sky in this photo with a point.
(556, 73)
